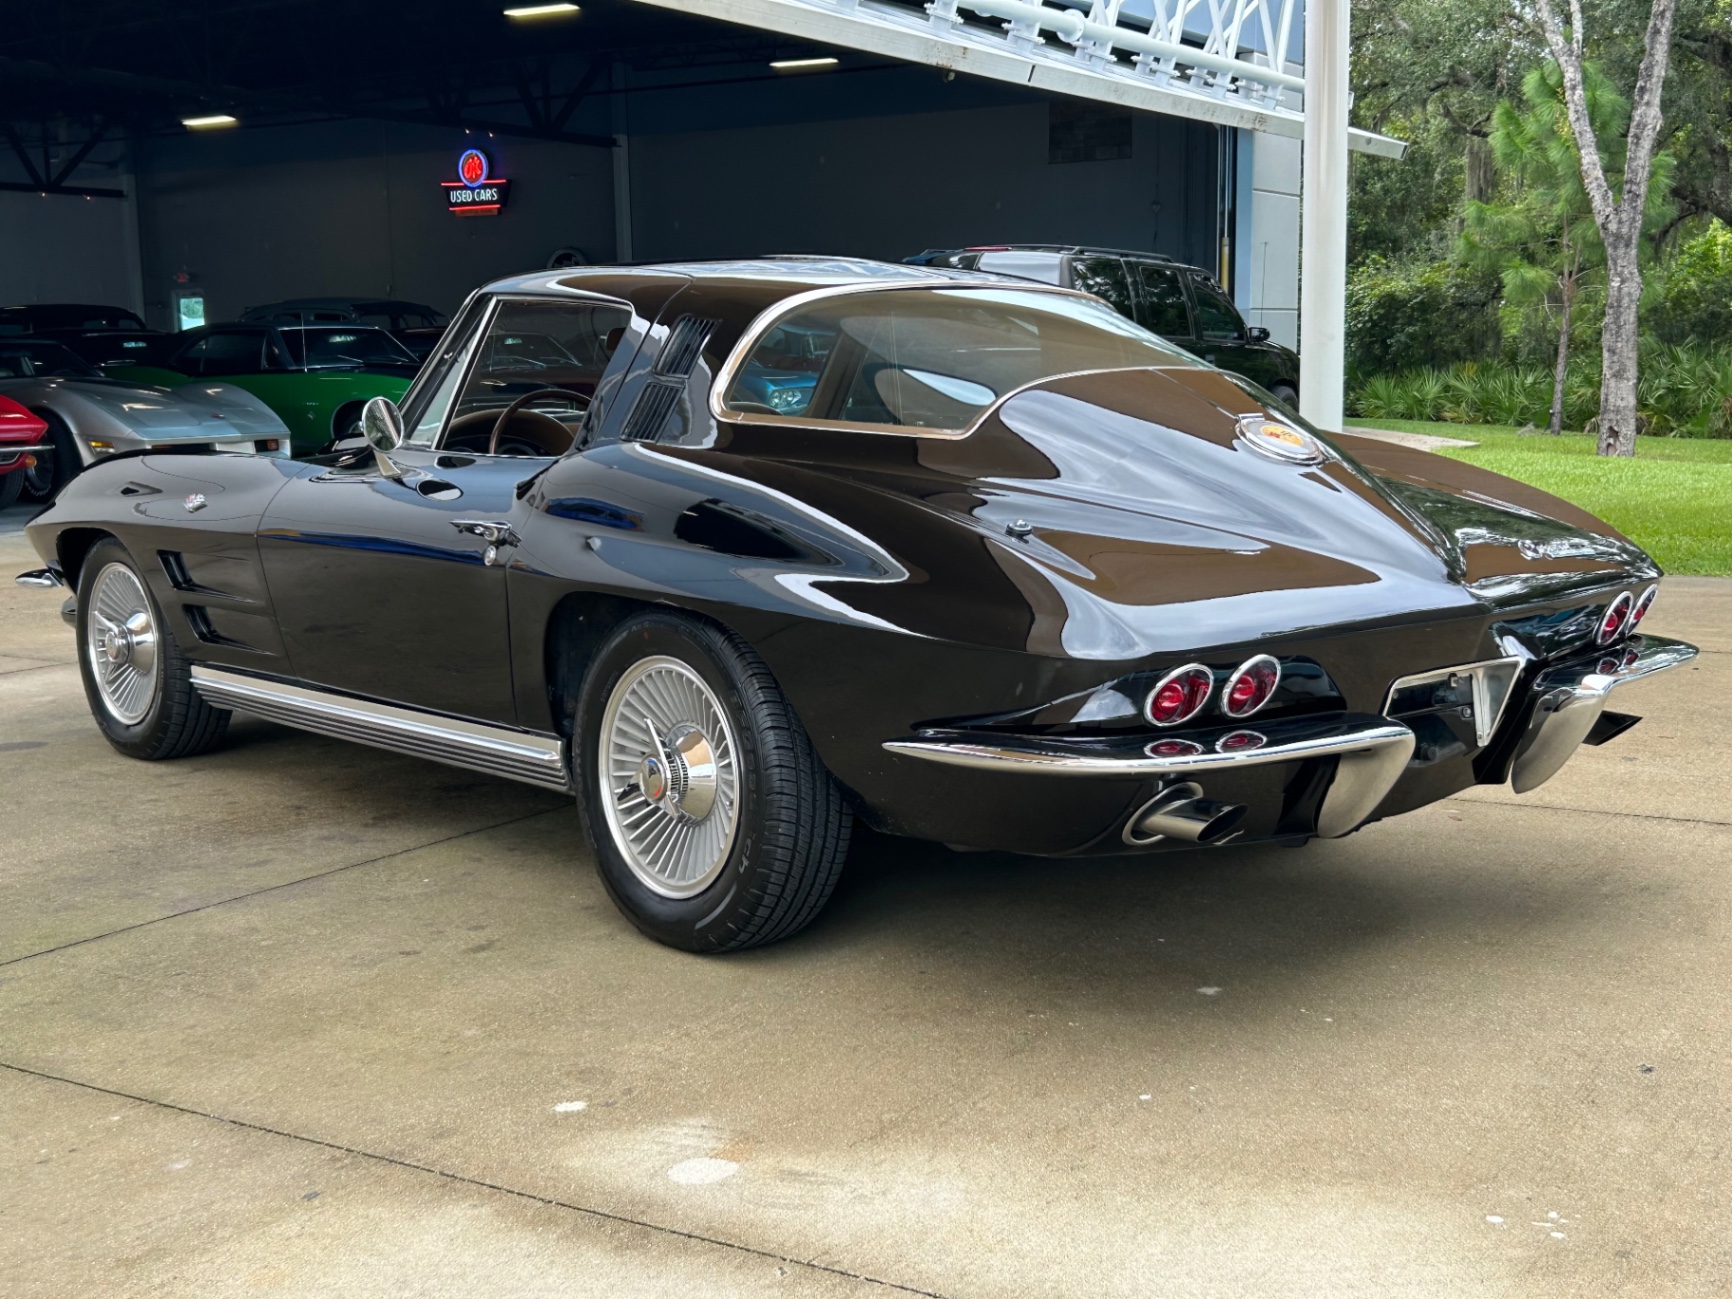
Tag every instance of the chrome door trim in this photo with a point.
(528, 756)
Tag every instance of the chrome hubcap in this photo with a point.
(669, 781)
(120, 640)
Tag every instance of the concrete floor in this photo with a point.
(300, 1018)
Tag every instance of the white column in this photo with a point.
(1323, 218)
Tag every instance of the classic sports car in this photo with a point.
(1012, 573)
(21, 436)
(100, 335)
(316, 377)
(90, 415)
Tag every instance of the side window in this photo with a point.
(216, 355)
(1217, 317)
(1162, 309)
(1105, 278)
(564, 347)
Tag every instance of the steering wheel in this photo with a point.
(506, 414)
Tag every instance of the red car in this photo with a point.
(21, 434)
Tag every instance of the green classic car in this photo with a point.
(316, 378)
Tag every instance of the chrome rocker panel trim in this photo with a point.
(1572, 698)
(1373, 752)
(477, 746)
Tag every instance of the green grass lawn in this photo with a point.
(1674, 499)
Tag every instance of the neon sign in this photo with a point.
(476, 191)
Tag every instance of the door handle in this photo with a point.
(495, 532)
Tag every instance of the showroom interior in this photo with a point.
(627, 133)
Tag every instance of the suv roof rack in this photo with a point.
(1061, 248)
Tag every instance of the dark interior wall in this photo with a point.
(62, 248)
(340, 208)
(889, 185)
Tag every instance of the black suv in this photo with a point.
(1183, 304)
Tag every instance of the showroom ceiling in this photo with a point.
(113, 66)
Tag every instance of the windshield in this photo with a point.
(38, 360)
(321, 349)
(931, 358)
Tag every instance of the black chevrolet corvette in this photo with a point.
(738, 552)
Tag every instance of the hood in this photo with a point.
(193, 411)
(1132, 519)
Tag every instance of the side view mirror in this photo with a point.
(1257, 334)
(382, 425)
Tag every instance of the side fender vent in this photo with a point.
(685, 344)
(650, 412)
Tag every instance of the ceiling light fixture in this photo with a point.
(206, 123)
(542, 11)
(785, 64)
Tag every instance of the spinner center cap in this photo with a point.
(652, 779)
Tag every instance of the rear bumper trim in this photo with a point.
(1571, 699)
(1372, 752)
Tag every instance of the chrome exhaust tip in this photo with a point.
(1181, 812)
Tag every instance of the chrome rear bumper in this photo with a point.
(1571, 699)
(1372, 753)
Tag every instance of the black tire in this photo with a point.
(346, 423)
(11, 487)
(178, 723)
(791, 837)
(54, 468)
(1287, 395)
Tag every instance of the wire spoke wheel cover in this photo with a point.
(120, 642)
(669, 776)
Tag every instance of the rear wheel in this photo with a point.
(138, 682)
(715, 825)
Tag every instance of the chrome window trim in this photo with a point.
(767, 320)
(495, 301)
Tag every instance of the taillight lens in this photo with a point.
(1642, 606)
(1179, 695)
(1617, 620)
(1249, 688)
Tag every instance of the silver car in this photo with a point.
(91, 417)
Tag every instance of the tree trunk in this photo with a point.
(1618, 346)
(1557, 424)
(1479, 170)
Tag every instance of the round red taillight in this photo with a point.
(1249, 688)
(1617, 619)
(1179, 695)
(1642, 606)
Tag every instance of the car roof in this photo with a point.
(341, 304)
(792, 273)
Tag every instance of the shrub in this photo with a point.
(1693, 301)
(1403, 315)
(1683, 392)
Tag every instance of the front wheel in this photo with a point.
(138, 682)
(1287, 395)
(55, 467)
(714, 823)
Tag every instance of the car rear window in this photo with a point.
(933, 359)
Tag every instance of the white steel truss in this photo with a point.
(1231, 62)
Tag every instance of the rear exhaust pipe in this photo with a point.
(1181, 812)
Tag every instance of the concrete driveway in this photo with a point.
(301, 1018)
